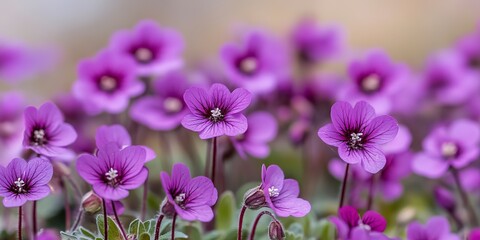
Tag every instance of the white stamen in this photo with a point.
(273, 191)
(249, 65)
(38, 136)
(355, 140)
(112, 174)
(108, 84)
(364, 226)
(371, 83)
(449, 149)
(143, 55)
(172, 105)
(180, 198)
(19, 183)
(216, 114)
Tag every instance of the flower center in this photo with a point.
(19, 184)
(112, 175)
(355, 141)
(143, 55)
(249, 65)
(180, 198)
(371, 83)
(449, 149)
(216, 114)
(38, 137)
(273, 191)
(108, 84)
(172, 105)
(364, 226)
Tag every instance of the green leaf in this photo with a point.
(113, 230)
(133, 227)
(193, 232)
(168, 235)
(326, 230)
(67, 236)
(293, 236)
(144, 236)
(296, 228)
(225, 211)
(85, 232)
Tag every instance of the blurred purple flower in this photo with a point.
(436, 228)
(11, 126)
(156, 50)
(23, 181)
(257, 64)
(216, 112)
(118, 135)
(447, 81)
(351, 227)
(165, 110)
(469, 49)
(191, 198)
(106, 82)
(262, 128)
(397, 168)
(359, 134)
(317, 43)
(455, 146)
(48, 234)
(374, 79)
(474, 234)
(281, 194)
(119, 207)
(444, 198)
(47, 134)
(113, 171)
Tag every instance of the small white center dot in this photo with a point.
(449, 149)
(172, 105)
(371, 83)
(112, 174)
(273, 191)
(143, 55)
(108, 84)
(180, 198)
(249, 65)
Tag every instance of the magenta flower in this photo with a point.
(455, 146)
(48, 234)
(216, 112)
(191, 198)
(113, 171)
(317, 43)
(436, 228)
(281, 194)
(106, 82)
(257, 64)
(351, 227)
(154, 49)
(119, 136)
(165, 109)
(12, 126)
(474, 234)
(469, 49)
(23, 181)
(46, 133)
(262, 128)
(359, 134)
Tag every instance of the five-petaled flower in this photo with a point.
(359, 133)
(216, 112)
(46, 133)
(351, 227)
(23, 181)
(191, 198)
(114, 171)
(436, 228)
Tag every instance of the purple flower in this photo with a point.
(106, 82)
(316, 43)
(469, 49)
(48, 234)
(154, 49)
(11, 126)
(359, 134)
(113, 171)
(119, 136)
(166, 109)
(257, 64)
(262, 128)
(23, 181)
(455, 146)
(436, 228)
(374, 79)
(351, 227)
(281, 194)
(46, 133)
(216, 112)
(474, 234)
(192, 198)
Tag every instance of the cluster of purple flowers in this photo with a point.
(388, 123)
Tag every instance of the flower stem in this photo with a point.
(20, 223)
(214, 158)
(465, 199)
(77, 220)
(144, 198)
(34, 219)
(257, 219)
(344, 186)
(173, 226)
(118, 220)
(371, 193)
(240, 222)
(66, 204)
(105, 220)
(157, 226)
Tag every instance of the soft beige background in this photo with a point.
(408, 29)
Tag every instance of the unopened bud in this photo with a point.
(444, 198)
(167, 208)
(91, 202)
(254, 198)
(275, 231)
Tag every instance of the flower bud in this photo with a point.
(167, 208)
(91, 202)
(275, 231)
(444, 198)
(254, 198)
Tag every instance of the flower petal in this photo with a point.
(239, 100)
(272, 177)
(14, 200)
(349, 215)
(200, 191)
(197, 100)
(112, 134)
(331, 136)
(381, 130)
(39, 172)
(91, 169)
(376, 221)
(428, 166)
(107, 192)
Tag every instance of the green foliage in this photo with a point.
(225, 212)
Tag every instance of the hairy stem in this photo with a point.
(144, 198)
(118, 220)
(20, 223)
(344, 187)
(240, 222)
(157, 226)
(34, 219)
(214, 158)
(78, 219)
(257, 219)
(173, 226)
(105, 220)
